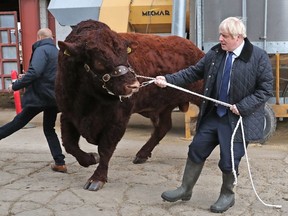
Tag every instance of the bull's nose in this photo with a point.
(135, 86)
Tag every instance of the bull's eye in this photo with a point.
(99, 66)
(106, 77)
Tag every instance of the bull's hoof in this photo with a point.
(139, 160)
(93, 185)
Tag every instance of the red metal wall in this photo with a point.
(30, 24)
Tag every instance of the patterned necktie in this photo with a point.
(223, 93)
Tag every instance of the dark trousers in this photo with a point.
(213, 131)
(49, 118)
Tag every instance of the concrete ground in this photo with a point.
(29, 188)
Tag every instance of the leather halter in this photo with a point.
(119, 71)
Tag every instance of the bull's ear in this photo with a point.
(67, 48)
(132, 45)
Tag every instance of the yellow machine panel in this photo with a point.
(143, 16)
(115, 14)
(150, 16)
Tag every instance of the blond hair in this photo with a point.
(233, 26)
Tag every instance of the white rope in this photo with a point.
(232, 149)
(249, 171)
(240, 122)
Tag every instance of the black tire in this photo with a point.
(269, 123)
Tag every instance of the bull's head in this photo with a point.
(102, 55)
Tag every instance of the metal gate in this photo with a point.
(9, 48)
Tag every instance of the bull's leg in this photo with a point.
(99, 178)
(70, 139)
(161, 126)
(106, 147)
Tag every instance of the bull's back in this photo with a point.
(154, 55)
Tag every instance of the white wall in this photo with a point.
(61, 31)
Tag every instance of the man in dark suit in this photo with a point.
(39, 95)
(236, 72)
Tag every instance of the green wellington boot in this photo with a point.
(227, 196)
(184, 192)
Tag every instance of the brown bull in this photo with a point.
(98, 89)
